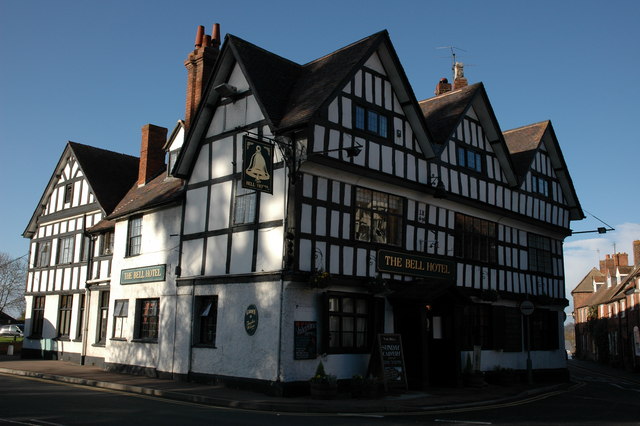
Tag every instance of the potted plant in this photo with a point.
(320, 279)
(323, 385)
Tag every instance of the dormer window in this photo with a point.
(371, 121)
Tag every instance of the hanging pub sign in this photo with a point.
(257, 165)
(408, 264)
(305, 342)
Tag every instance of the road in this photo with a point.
(599, 397)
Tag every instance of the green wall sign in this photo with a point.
(251, 320)
(145, 274)
(420, 266)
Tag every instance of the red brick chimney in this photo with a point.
(458, 76)
(151, 153)
(636, 252)
(443, 86)
(199, 66)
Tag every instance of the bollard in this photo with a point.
(10, 350)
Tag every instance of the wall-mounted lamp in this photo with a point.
(352, 151)
(227, 91)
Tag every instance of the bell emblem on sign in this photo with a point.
(258, 166)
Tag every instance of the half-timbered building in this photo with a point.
(307, 209)
(69, 271)
(324, 203)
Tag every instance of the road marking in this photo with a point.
(372, 416)
(466, 422)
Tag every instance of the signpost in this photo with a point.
(527, 308)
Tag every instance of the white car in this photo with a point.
(16, 330)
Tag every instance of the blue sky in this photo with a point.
(96, 72)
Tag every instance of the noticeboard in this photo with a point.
(305, 342)
(392, 361)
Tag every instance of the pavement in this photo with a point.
(433, 399)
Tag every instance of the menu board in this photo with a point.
(305, 344)
(392, 360)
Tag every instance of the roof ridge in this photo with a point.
(362, 40)
(255, 46)
(527, 126)
(452, 92)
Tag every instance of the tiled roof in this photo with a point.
(159, 191)
(291, 93)
(324, 76)
(586, 284)
(443, 113)
(110, 174)
(523, 144)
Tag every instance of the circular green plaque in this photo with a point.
(251, 320)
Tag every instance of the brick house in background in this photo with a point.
(607, 311)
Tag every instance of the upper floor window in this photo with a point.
(134, 236)
(539, 254)
(65, 250)
(244, 205)
(470, 159)
(43, 253)
(540, 185)
(68, 193)
(371, 121)
(378, 217)
(475, 239)
(107, 244)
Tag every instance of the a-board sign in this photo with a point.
(392, 359)
(305, 340)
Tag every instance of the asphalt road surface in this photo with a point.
(598, 397)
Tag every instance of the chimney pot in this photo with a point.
(206, 41)
(199, 35)
(215, 35)
(442, 87)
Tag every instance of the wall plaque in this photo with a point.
(251, 320)
(145, 274)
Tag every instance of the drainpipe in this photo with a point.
(87, 298)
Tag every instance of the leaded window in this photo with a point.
(371, 121)
(43, 253)
(147, 318)
(476, 239)
(245, 205)
(470, 159)
(540, 259)
(65, 250)
(378, 217)
(349, 323)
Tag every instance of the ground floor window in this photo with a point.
(147, 319)
(64, 316)
(205, 322)
(544, 330)
(349, 323)
(80, 331)
(103, 317)
(491, 327)
(120, 314)
(37, 316)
